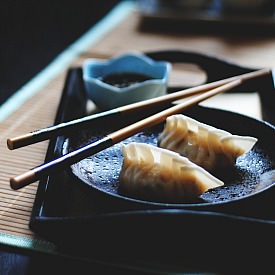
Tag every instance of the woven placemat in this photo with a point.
(16, 206)
(38, 111)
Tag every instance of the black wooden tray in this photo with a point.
(220, 239)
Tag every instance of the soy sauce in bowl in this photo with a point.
(122, 80)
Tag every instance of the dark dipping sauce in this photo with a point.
(122, 80)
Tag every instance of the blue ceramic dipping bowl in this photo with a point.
(153, 78)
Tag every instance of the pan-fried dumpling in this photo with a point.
(203, 144)
(157, 174)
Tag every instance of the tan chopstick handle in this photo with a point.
(194, 90)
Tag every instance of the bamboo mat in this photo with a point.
(16, 206)
(39, 111)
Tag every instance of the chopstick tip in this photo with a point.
(23, 180)
(10, 144)
(20, 141)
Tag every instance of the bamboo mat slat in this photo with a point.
(38, 112)
(4, 206)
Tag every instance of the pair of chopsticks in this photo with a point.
(197, 94)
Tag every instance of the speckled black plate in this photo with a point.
(250, 176)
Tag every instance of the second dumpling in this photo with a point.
(157, 174)
(203, 144)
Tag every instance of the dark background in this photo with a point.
(33, 33)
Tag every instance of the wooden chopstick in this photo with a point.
(113, 138)
(63, 128)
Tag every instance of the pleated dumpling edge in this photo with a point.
(153, 173)
(205, 145)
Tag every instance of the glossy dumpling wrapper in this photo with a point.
(205, 145)
(156, 174)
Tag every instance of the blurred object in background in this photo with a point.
(252, 16)
(259, 7)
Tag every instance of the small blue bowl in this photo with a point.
(103, 79)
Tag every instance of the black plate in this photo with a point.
(101, 171)
(85, 224)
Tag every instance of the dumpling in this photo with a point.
(157, 174)
(203, 144)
